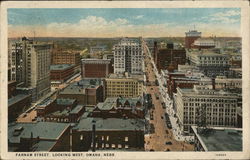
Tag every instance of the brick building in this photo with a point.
(110, 134)
(119, 107)
(85, 91)
(96, 68)
(191, 36)
(166, 57)
(59, 56)
(40, 136)
(60, 73)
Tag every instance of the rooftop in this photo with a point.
(126, 76)
(80, 86)
(43, 145)
(221, 139)
(60, 66)
(64, 101)
(76, 109)
(110, 124)
(43, 130)
(17, 98)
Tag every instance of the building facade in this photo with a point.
(209, 62)
(191, 36)
(96, 68)
(218, 108)
(128, 56)
(124, 85)
(60, 73)
(32, 66)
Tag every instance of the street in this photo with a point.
(163, 138)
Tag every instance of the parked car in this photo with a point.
(169, 143)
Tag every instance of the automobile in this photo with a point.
(162, 117)
(151, 150)
(151, 88)
(169, 143)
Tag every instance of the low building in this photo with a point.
(85, 91)
(110, 134)
(217, 107)
(124, 85)
(96, 68)
(59, 73)
(204, 43)
(230, 83)
(17, 105)
(209, 62)
(59, 56)
(119, 107)
(40, 136)
(217, 139)
(97, 49)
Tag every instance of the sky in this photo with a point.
(118, 22)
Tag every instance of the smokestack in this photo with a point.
(93, 136)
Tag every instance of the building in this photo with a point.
(11, 62)
(230, 83)
(66, 57)
(128, 56)
(119, 107)
(166, 57)
(85, 91)
(204, 43)
(110, 134)
(96, 68)
(217, 107)
(209, 62)
(18, 104)
(32, 66)
(40, 136)
(97, 49)
(185, 80)
(217, 139)
(191, 36)
(59, 73)
(124, 85)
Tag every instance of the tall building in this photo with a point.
(191, 36)
(166, 57)
(124, 85)
(96, 68)
(128, 56)
(33, 66)
(202, 104)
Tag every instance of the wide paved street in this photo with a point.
(157, 140)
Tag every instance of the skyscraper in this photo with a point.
(128, 56)
(191, 36)
(33, 66)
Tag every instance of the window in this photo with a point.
(126, 139)
(81, 137)
(107, 138)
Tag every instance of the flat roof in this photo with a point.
(221, 139)
(76, 109)
(110, 124)
(60, 66)
(80, 86)
(17, 98)
(43, 145)
(43, 130)
(65, 101)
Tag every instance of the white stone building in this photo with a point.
(128, 56)
(216, 106)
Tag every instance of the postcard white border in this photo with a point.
(244, 5)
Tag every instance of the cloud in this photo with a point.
(227, 17)
(139, 17)
(93, 26)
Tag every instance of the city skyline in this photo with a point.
(118, 22)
